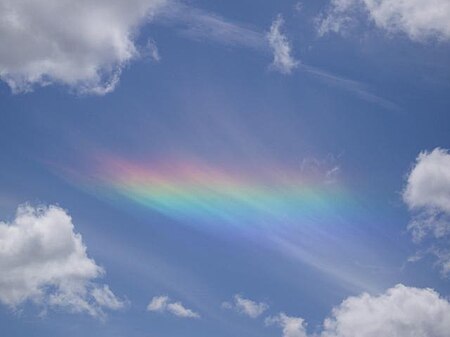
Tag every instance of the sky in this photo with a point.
(236, 168)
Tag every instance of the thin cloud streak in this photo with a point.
(355, 87)
(347, 277)
(200, 25)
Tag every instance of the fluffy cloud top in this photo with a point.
(428, 184)
(82, 44)
(291, 326)
(400, 312)
(163, 304)
(427, 194)
(245, 306)
(43, 260)
(282, 58)
(418, 19)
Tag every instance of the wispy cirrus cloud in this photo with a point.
(205, 26)
(359, 89)
(348, 276)
(202, 25)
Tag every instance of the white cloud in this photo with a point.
(427, 194)
(443, 259)
(106, 298)
(298, 7)
(158, 303)
(88, 49)
(357, 88)
(291, 326)
(321, 170)
(81, 44)
(428, 183)
(43, 260)
(418, 19)
(246, 306)
(203, 25)
(163, 304)
(400, 312)
(152, 50)
(282, 58)
(179, 310)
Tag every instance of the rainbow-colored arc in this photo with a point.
(195, 191)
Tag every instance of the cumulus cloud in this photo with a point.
(283, 61)
(81, 44)
(417, 19)
(291, 326)
(427, 194)
(44, 261)
(163, 304)
(399, 312)
(428, 184)
(246, 306)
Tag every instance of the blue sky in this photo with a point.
(189, 168)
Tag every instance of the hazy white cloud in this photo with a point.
(163, 304)
(283, 61)
(427, 194)
(158, 303)
(44, 261)
(106, 298)
(418, 19)
(298, 7)
(399, 312)
(179, 310)
(291, 326)
(152, 50)
(443, 259)
(246, 306)
(357, 88)
(322, 170)
(81, 44)
(202, 25)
